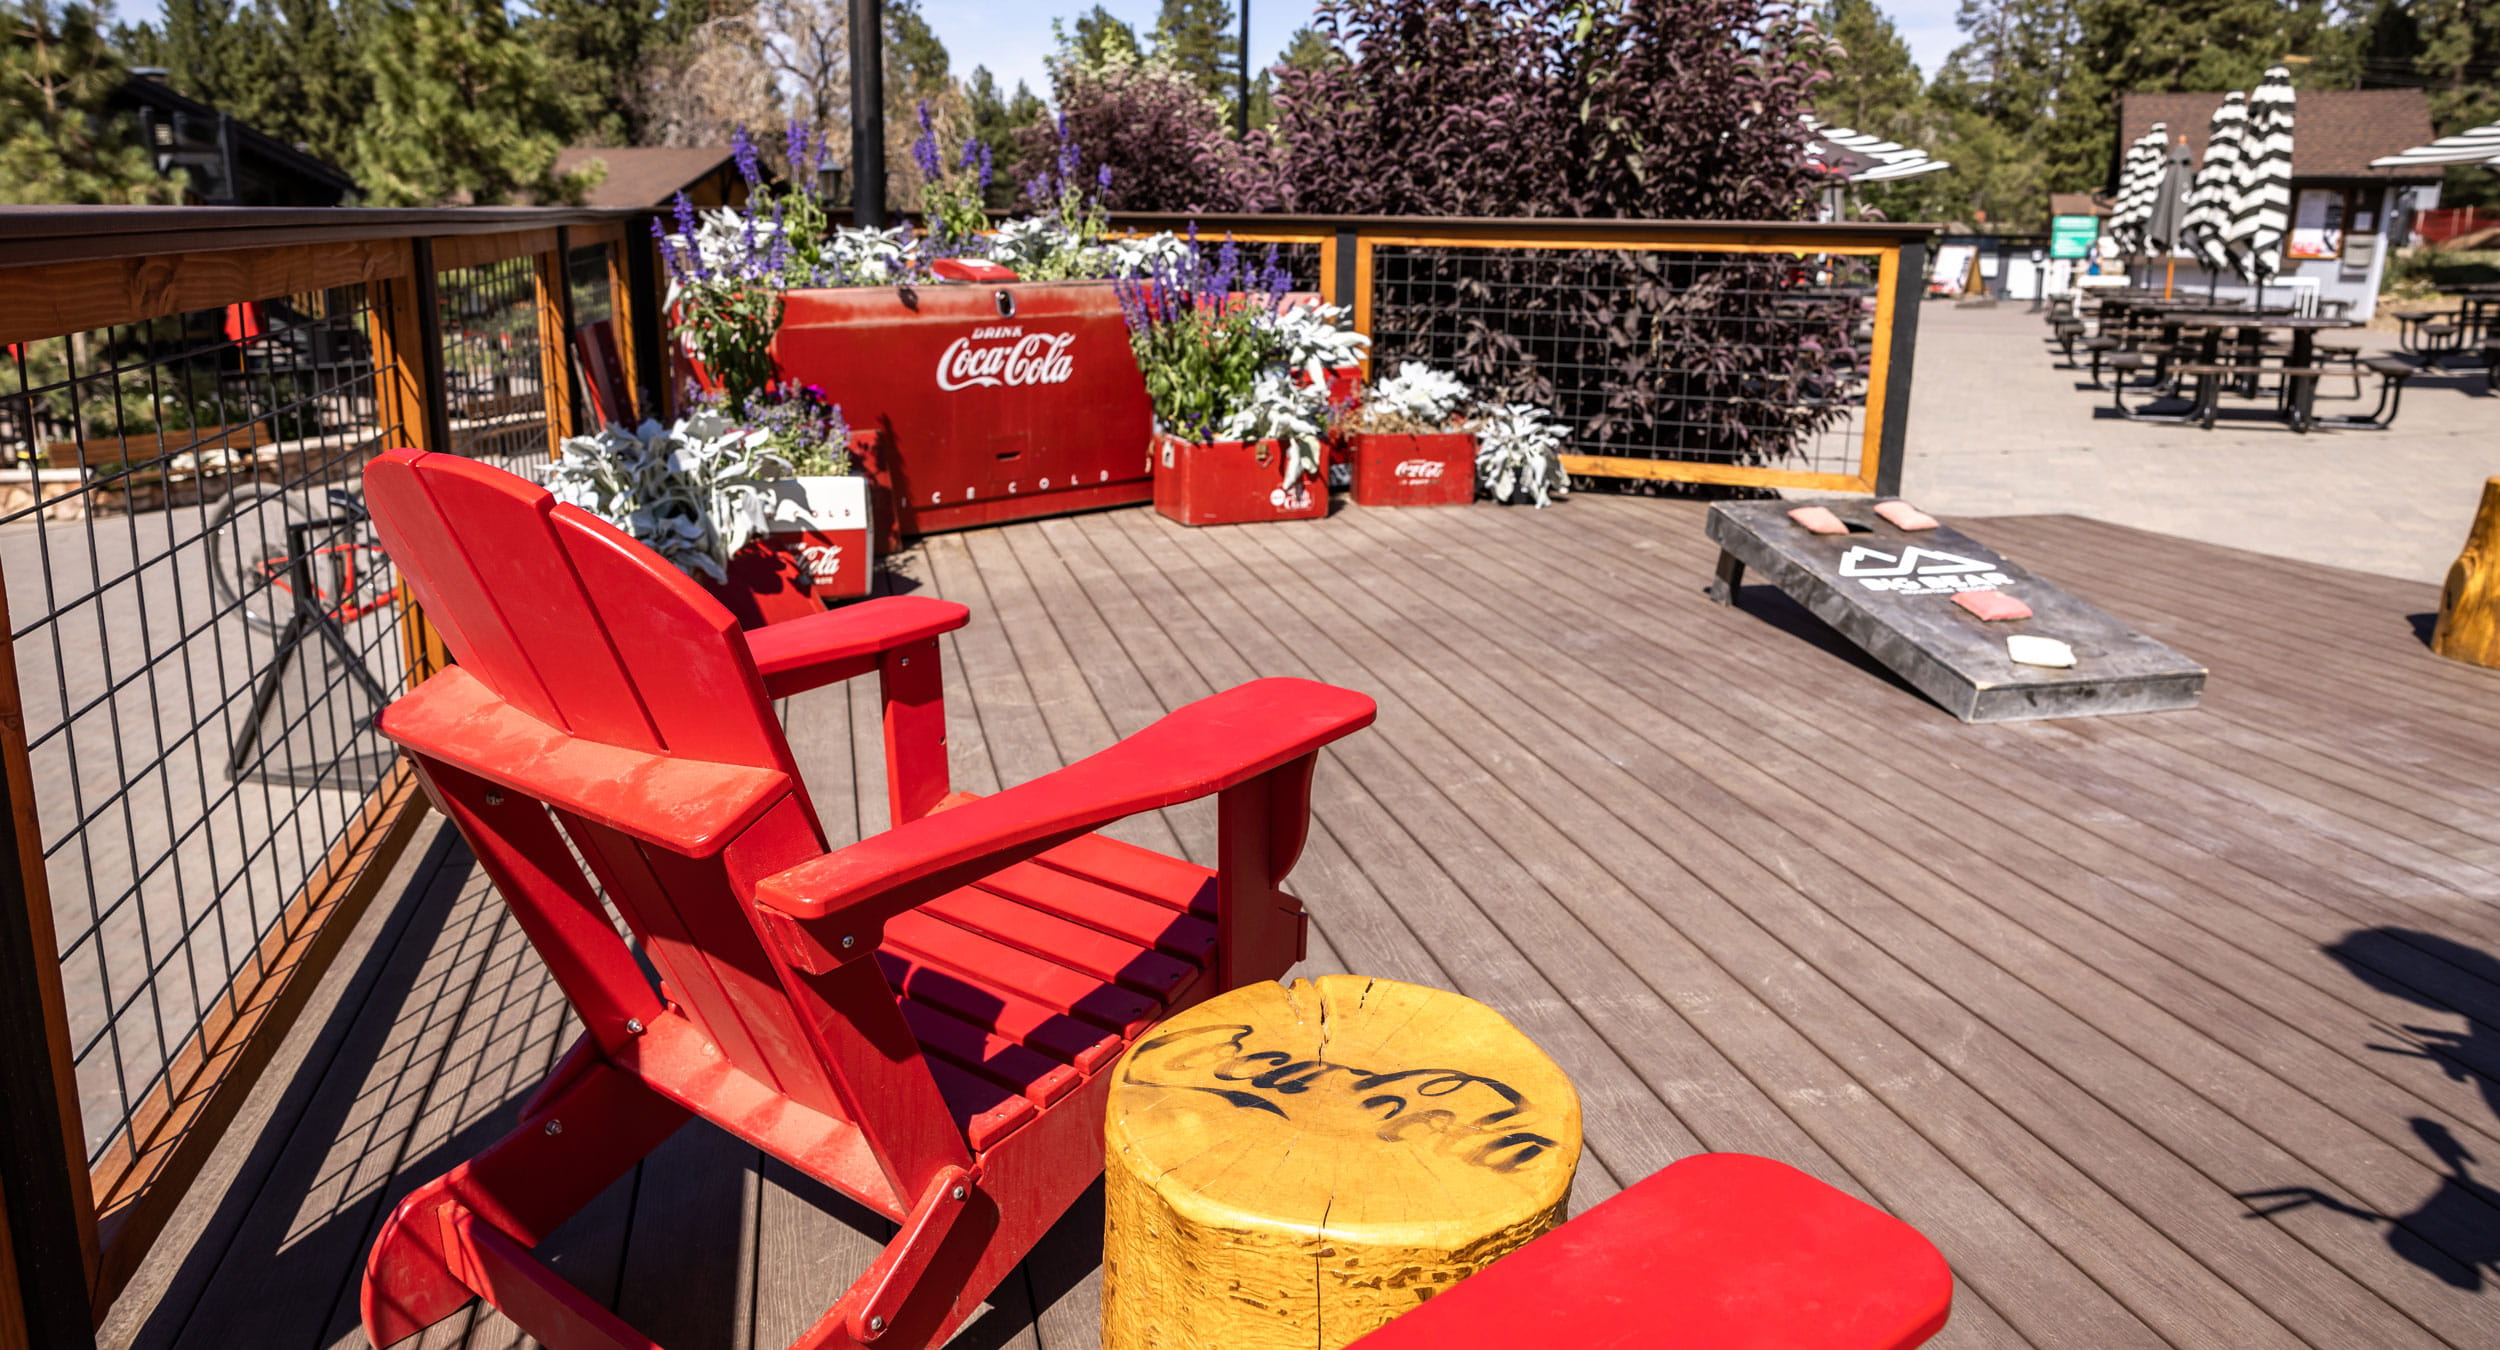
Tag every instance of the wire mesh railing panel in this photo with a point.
(204, 631)
(1705, 356)
(493, 374)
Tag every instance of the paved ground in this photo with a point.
(1999, 426)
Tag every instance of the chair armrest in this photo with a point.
(1206, 747)
(689, 806)
(797, 655)
(1724, 1249)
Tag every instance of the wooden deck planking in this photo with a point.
(1938, 962)
(2054, 992)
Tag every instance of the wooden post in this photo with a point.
(555, 342)
(2469, 607)
(621, 305)
(409, 396)
(49, 1215)
(1295, 1167)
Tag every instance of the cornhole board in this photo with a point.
(1891, 592)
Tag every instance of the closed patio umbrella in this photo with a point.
(2217, 179)
(2138, 175)
(2479, 146)
(2261, 211)
(2165, 229)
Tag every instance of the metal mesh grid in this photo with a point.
(203, 632)
(1732, 358)
(492, 373)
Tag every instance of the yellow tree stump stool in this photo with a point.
(1294, 1167)
(2469, 606)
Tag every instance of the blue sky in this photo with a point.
(1012, 37)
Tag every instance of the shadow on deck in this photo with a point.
(2172, 1029)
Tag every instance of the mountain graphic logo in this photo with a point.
(1862, 561)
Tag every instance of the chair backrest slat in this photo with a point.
(566, 619)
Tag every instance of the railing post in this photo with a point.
(1909, 281)
(426, 299)
(649, 361)
(1337, 266)
(555, 340)
(47, 1206)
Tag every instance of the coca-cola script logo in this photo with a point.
(1006, 355)
(824, 561)
(1420, 468)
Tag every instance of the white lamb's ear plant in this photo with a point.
(1315, 342)
(694, 492)
(1519, 447)
(1292, 415)
(1419, 394)
(1141, 256)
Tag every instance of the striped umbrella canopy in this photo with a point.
(1865, 157)
(2139, 176)
(2479, 146)
(2217, 179)
(2261, 209)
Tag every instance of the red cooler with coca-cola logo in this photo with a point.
(993, 402)
(1414, 470)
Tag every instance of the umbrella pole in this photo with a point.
(2170, 278)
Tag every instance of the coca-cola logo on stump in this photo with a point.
(1006, 355)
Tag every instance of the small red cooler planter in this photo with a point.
(1414, 470)
(1233, 483)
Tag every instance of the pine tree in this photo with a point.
(1097, 38)
(2165, 46)
(60, 143)
(1198, 39)
(462, 107)
(1874, 86)
(596, 51)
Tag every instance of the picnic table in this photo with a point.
(2230, 348)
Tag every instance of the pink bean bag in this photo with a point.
(1993, 605)
(1905, 516)
(1818, 519)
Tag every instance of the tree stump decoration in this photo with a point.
(1295, 1167)
(2469, 606)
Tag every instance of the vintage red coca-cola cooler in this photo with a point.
(1414, 470)
(993, 402)
(1233, 483)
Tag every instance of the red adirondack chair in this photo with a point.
(1718, 1251)
(920, 1020)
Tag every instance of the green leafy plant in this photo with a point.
(1204, 333)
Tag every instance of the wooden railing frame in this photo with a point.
(68, 1244)
(71, 1237)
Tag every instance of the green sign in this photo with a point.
(2072, 236)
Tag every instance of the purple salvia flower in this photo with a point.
(742, 148)
(794, 146)
(924, 151)
(1102, 178)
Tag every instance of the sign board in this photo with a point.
(1891, 592)
(2072, 236)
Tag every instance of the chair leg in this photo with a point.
(451, 1237)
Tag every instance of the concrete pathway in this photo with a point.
(1999, 426)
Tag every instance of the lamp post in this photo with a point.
(1241, 105)
(868, 114)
